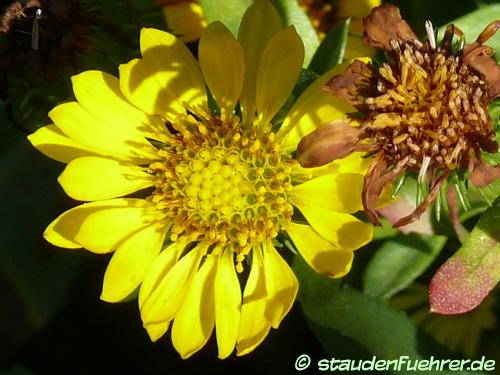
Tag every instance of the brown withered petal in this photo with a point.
(478, 56)
(424, 205)
(371, 188)
(483, 173)
(385, 24)
(346, 85)
(334, 140)
(450, 31)
(12, 12)
(375, 180)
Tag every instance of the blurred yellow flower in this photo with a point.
(216, 186)
(184, 18)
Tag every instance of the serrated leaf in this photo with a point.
(293, 14)
(398, 262)
(331, 50)
(466, 278)
(348, 322)
(227, 12)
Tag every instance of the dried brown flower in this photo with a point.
(64, 31)
(423, 110)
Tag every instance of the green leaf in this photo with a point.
(17, 370)
(31, 97)
(293, 14)
(331, 50)
(385, 231)
(466, 278)
(305, 79)
(227, 12)
(399, 261)
(494, 109)
(349, 324)
(30, 198)
(473, 24)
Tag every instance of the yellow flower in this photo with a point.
(215, 189)
(326, 14)
(184, 18)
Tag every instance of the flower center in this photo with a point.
(429, 105)
(222, 184)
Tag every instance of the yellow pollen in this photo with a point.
(224, 185)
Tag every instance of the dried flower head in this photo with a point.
(45, 35)
(425, 109)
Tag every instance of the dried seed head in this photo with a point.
(430, 106)
(425, 109)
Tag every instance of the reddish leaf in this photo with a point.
(462, 283)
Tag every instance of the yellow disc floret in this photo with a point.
(224, 184)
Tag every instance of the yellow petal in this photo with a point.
(357, 162)
(195, 321)
(166, 299)
(320, 254)
(100, 95)
(274, 82)
(158, 268)
(51, 142)
(253, 40)
(185, 20)
(139, 85)
(87, 130)
(157, 330)
(312, 109)
(253, 327)
(129, 263)
(176, 68)
(93, 178)
(63, 230)
(356, 8)
(356, 48)
(227, 304)
(281, 286)
(104, 230)
(342, 230)
(222, 64)
(340, 192)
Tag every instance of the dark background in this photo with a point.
(51, 318)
